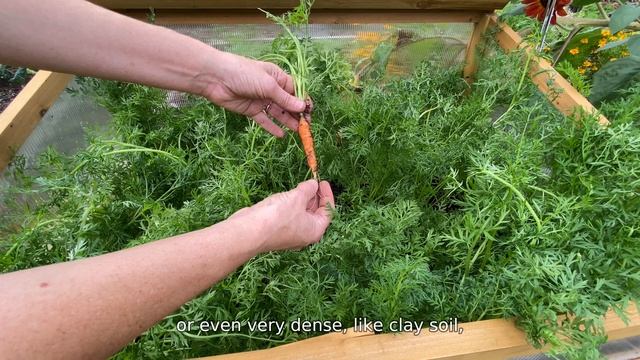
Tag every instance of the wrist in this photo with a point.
(248, 233)
(213, 65)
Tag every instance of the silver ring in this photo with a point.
(267, 108)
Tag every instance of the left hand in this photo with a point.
(290, 220)
(250, 87)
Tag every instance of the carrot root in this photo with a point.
(304, 130)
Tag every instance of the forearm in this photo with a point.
(75, 36)
(91, 308)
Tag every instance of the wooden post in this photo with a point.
(471, 60)
(19, 119)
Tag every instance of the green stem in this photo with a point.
(518, 194)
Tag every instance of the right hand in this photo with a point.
(248, 86)
(292, 219)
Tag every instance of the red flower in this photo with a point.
(536, 9)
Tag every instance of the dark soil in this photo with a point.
(8, 91)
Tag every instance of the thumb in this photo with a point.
(318, 221)
(287, 101)
(305, 191)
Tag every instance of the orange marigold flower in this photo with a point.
(605, 32)
(536, 9)
(574, 51)
(581, 70)
(603, 42)
(587, 63)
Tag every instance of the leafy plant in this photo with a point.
(443, 211)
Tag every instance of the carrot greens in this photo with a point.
(441, 211)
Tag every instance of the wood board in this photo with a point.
(254, 16)
(556, 88)
(22, 115)
(474, 5)
(480, 340)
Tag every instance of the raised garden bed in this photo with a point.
(474, 204)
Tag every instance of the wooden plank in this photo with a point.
(489, 339)
(19, 119)
(556, 88)
(473, 5)
(172, 17)
(471, 60)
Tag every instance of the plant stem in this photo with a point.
(518, 194)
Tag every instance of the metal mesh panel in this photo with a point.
(63, 125)
(442, 44)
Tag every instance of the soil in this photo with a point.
(7, 92)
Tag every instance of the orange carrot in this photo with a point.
(304, 130)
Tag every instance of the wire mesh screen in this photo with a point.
(404, 45)
(390, 49)
(393, 49)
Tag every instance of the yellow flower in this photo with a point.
(581, 70)
(584, 40)
(622, 36)
(587, 63)
(625, 53)
(602, 42)
(605, 32)
(574, 51)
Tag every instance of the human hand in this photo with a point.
(292, 219)
(253, 88)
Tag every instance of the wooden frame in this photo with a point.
(557, 89)
(480, 340)
(19, 119)
(208, 16)
(488, 339)
(449, 5)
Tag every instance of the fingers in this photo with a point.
(285, 100)
(305, 191)
(281, 90)
(284, 117)
(282, 78)
(326, 194)
(318, 217)
(263, 120)
(321, 217)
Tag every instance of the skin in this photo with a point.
(93, 307)
(77, 37)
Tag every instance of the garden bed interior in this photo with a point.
(448, 34)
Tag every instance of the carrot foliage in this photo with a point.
(441, 211)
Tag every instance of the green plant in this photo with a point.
(443, 211)
(592, 46)
(13, 75)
